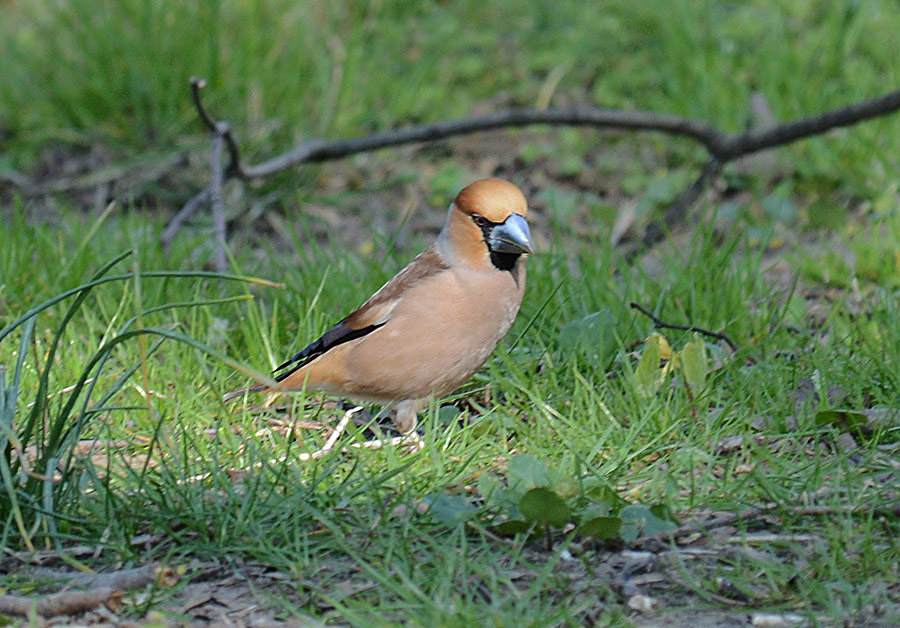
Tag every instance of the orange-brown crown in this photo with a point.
(495, 199)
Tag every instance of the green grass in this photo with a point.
(356, 517)
(802, 275)
(115, 75)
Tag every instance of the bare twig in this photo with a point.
(319, 150)
(174, 226)
(65, 603)
(752, 141)
(197, 84)
(215, 198)
(106, 588)
(656, 230)
(659, 324)
(221, 134)
(658, 542)
(722, 147)
(124, 579)
(218, 128)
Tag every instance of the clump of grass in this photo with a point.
(39, 439)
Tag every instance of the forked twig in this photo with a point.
(217, 128)
(659, 541)
(660, 324)
(221, 133)
(106, 588)
(721, 146)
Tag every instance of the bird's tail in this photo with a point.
(240, 392)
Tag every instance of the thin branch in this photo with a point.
(221, 134)
(659, 541)
(217, 128)
(65, 603)
(657, 229)
(752, 141)
(215, 200)
(660, 324)
(320, 150)
(174, 226)
(722, 147)
(197, 84)
(105, 588)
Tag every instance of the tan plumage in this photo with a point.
(427, 330)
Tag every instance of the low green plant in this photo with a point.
(38, 446)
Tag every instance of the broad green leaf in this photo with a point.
(848, 420)
(450, 509)
(645, 521)
(648, 376)
(591, 335)
(605, 495)
(528, 471)
(664, 512)
(694, 363)
(546, 507)
(448, 414)
(602, 527)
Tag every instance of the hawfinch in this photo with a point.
(427, 330)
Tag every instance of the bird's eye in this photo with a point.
(481, 221)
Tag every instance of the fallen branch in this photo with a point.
(676, 211)
(661, 540)
(659, 324)
(222, 129)
(126, 579)
(215, 198)
(105, 588)
(174, 226)
(221, 134)
(65, 603)
(721, 146)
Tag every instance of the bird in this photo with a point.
(435, 323)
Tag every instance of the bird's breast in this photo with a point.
(438, 335)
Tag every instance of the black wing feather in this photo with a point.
(337, 335)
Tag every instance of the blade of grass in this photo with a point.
(8, 401)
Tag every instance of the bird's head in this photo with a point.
(487, 222)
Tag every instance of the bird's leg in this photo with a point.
(405, 418)
(406, 415)
(333, 437)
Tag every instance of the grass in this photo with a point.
(356, 518)
(802, 275)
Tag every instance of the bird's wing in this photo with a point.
(371, 315)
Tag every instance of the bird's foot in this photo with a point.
(411, 441)
(333, 437)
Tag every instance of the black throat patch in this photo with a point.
(504, 261)
(501, 261)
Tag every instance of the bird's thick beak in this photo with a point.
(511, 236)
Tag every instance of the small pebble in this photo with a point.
(642, 603)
